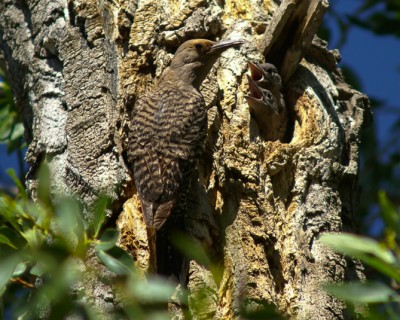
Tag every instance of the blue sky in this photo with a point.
(376, 61)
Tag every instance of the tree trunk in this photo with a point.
(258, 207)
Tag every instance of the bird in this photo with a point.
(168, 128)
(266, 102)
(266, 76)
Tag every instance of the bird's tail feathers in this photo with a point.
(162, 214)
(156, 214)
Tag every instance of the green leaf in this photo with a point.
(368, 292)
(38, 270)
(41, 215)
(7, 267)
(18, 131)
(6, 126)
(116, 260)
(357, 246)
(99, 214)
(386, 269)
(5, 240)
(154, 290)
(389, 213)
(5, 107)
(21, 188)
(19, 269)
(55, 294)
(365, 249)
(34, 237)
(8, 209)
(108, 239)
(15, 139)
(13, 235)
(69, 224)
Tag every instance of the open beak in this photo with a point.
(256, 72)
(225, 44)
(255, 91)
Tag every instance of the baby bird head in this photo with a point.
(265, 75)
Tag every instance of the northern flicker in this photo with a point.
(168, 128)
(266, 102)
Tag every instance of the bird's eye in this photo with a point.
(198, 46)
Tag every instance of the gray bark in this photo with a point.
(76, 68)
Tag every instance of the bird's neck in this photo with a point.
(177, 78)
(187, 74)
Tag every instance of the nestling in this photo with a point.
(266, 102)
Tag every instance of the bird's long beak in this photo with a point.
(256, 72)
(225, 44)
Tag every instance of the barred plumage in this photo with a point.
(168, 129)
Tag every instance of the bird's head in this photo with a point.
(194, 58)
(260, 100)
(265, 75)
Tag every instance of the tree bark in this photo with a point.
(258, 207)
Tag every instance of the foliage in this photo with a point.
(11, 128)
(380, 165)
(379, 159)
(383, 256)
(378, 16)
(373, 18)
(35, 246)
(45, 263)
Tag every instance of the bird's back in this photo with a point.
(167, 132)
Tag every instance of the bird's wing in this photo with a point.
(170, 121)
(182, 121)
(167, 130)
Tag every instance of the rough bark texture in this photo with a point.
(76, 68)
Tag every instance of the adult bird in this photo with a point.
(168, 128)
